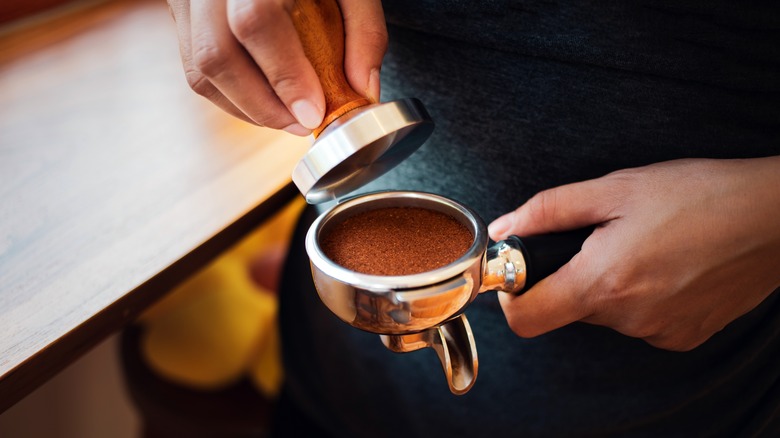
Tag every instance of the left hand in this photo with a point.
(682, 249)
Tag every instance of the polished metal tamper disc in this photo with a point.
(360, 146)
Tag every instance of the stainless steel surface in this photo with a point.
(454, 344)
(361, 146)
(505, 268)
(397, 304)
(422, 310)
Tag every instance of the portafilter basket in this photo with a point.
(425, 310)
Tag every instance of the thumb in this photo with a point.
(554, 302)
(558, 209)
(366, 43)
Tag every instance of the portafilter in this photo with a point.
(360, 140)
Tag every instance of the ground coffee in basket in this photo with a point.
(396, 241)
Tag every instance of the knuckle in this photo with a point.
(208, 57)
(681, 336)
(615, 286)
(282, 79)
(200, 84)
(678, 343)
(661, 343)
(246, 18)
(520, 329)
(373, 30)
(617, 296)
(375, 38)
(541, 207)
(683, 346)
(642, 329)
(622, 185)
(612, 290)
(582, 296)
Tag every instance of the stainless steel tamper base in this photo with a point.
(360, 146)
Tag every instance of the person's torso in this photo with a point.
(527, 96)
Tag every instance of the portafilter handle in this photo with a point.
(515, 264)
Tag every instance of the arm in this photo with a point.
(245, 56)
(682, 249)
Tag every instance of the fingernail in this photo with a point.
(297, 129)
(307, 113)
(499, 227)
(373, 89)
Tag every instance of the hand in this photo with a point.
(682, 249)
(245, 56)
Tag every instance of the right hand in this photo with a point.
(245, 56)
(683, 248)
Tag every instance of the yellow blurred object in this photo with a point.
(220, 324)
(265, 369)
(207, 340)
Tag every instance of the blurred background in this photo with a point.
(88, 399)
(106, 154)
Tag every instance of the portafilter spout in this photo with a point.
(453, 343)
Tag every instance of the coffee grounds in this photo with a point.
(396, 241)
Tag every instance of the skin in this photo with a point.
(245, 56)
(682, 248)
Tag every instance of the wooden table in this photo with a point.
(116, 181)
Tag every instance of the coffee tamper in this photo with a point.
(359, 141)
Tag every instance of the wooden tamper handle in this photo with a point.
(320, 26)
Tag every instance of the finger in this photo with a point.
(561, 208)
(201, 85)
(366, 44)
(266, 31)
(677, 341)
(196, 80)
(219, 57)
(550, 304)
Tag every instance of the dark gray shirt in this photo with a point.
(532, 95)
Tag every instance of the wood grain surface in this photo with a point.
(116, 181)
(320, 25)
(11, 10)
